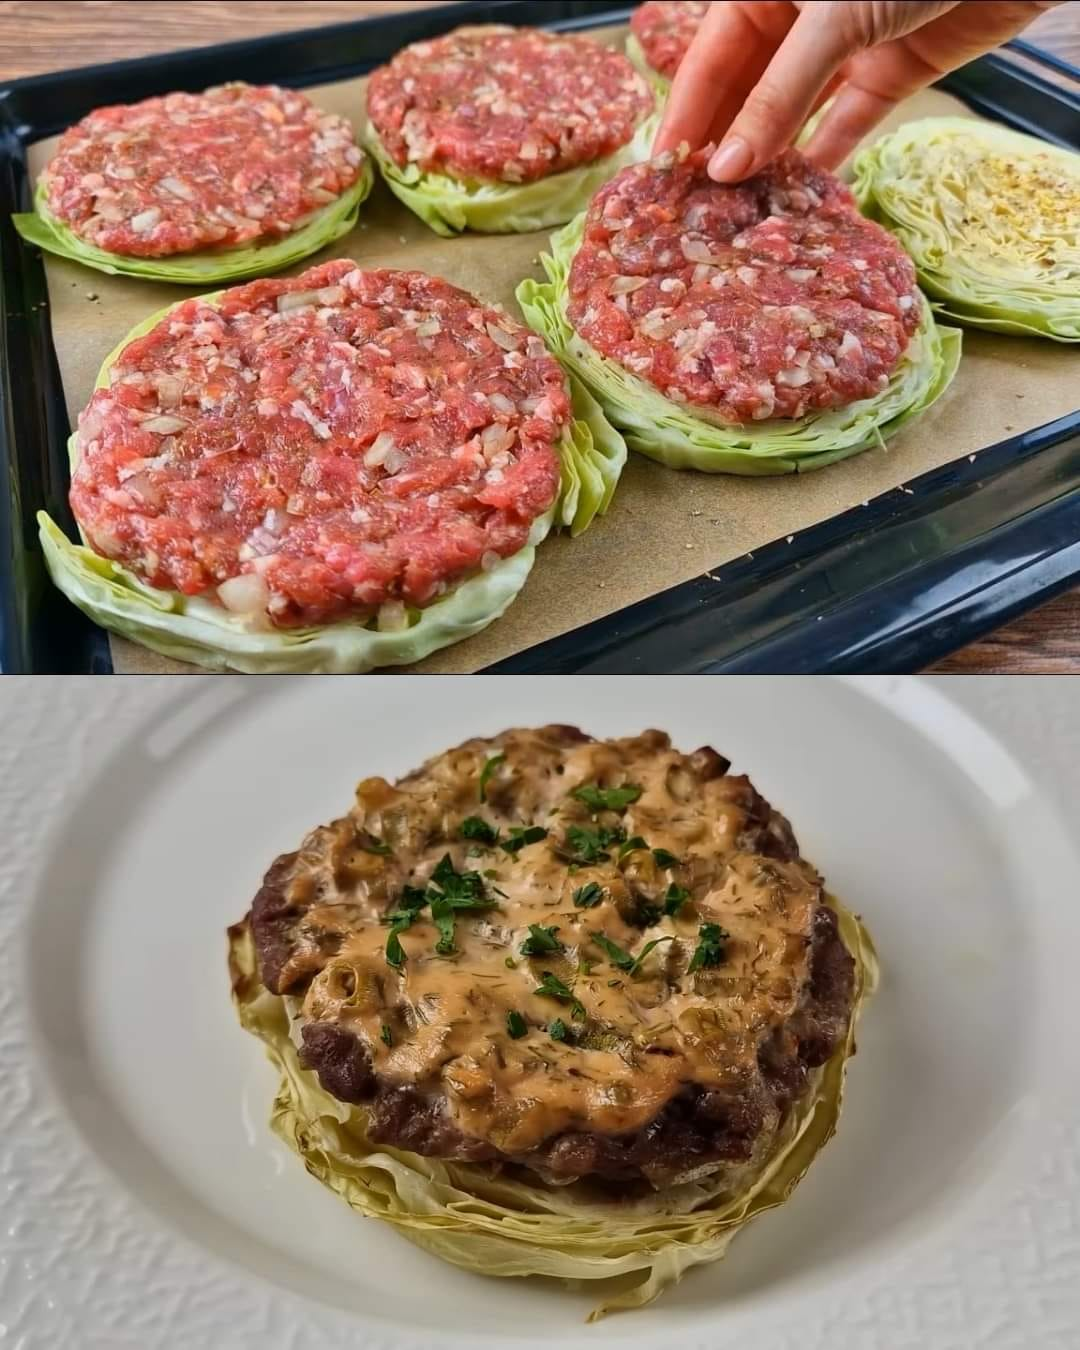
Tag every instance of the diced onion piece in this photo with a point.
(849, 345)
(177, 188)
(501, 337)
(501, 403)
(296, 300)
(164, 425)
(170, 389)
(697, 251)
(245, 594)
(395, 460)
(429, 328)
(496, 438)
(380, 447)
(145, 489)
(625, 285)
(145, 221)
(393, 617)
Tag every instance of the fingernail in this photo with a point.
(732, 161)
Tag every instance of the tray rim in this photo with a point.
(862, 629)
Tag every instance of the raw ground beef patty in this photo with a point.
(770, 298)
(506, 104)
(190, 171)
(665, 30)
(322, 444)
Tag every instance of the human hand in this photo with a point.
(757, 69)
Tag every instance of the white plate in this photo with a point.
(144, 1203)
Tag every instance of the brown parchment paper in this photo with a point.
(664, 527)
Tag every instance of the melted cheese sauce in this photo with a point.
(636, 1040)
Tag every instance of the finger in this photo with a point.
(879, 79)
(716, 131)
(784, 97)
(833, 85)
(876, 81)
(854, 114)
(729, 53)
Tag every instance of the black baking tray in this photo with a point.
(890, 586)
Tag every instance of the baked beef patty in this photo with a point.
(590, 958)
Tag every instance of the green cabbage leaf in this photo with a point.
(500, 1224)
(990, 217)
(683, 438)
(193, 629)
(234, 263)
(450, 205)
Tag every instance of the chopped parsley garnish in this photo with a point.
(675, 898)
(522, 835)
(585, 897)
(448, 892)
(541, 940)
(710, 949)
(411, 903)
(395, 952)
(516, 1026)
(412, 897)
(622, 959)
(551, 986)
(664, 858)
(588, 846)
(646, 950)
(470, 902)
(386, 1035)
(370, 844)
(607, 799)
(631, 845)
(456, 886)
(442, 911)
(558, 1030)
(490, 765)
(616, 955)
(472, 827)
